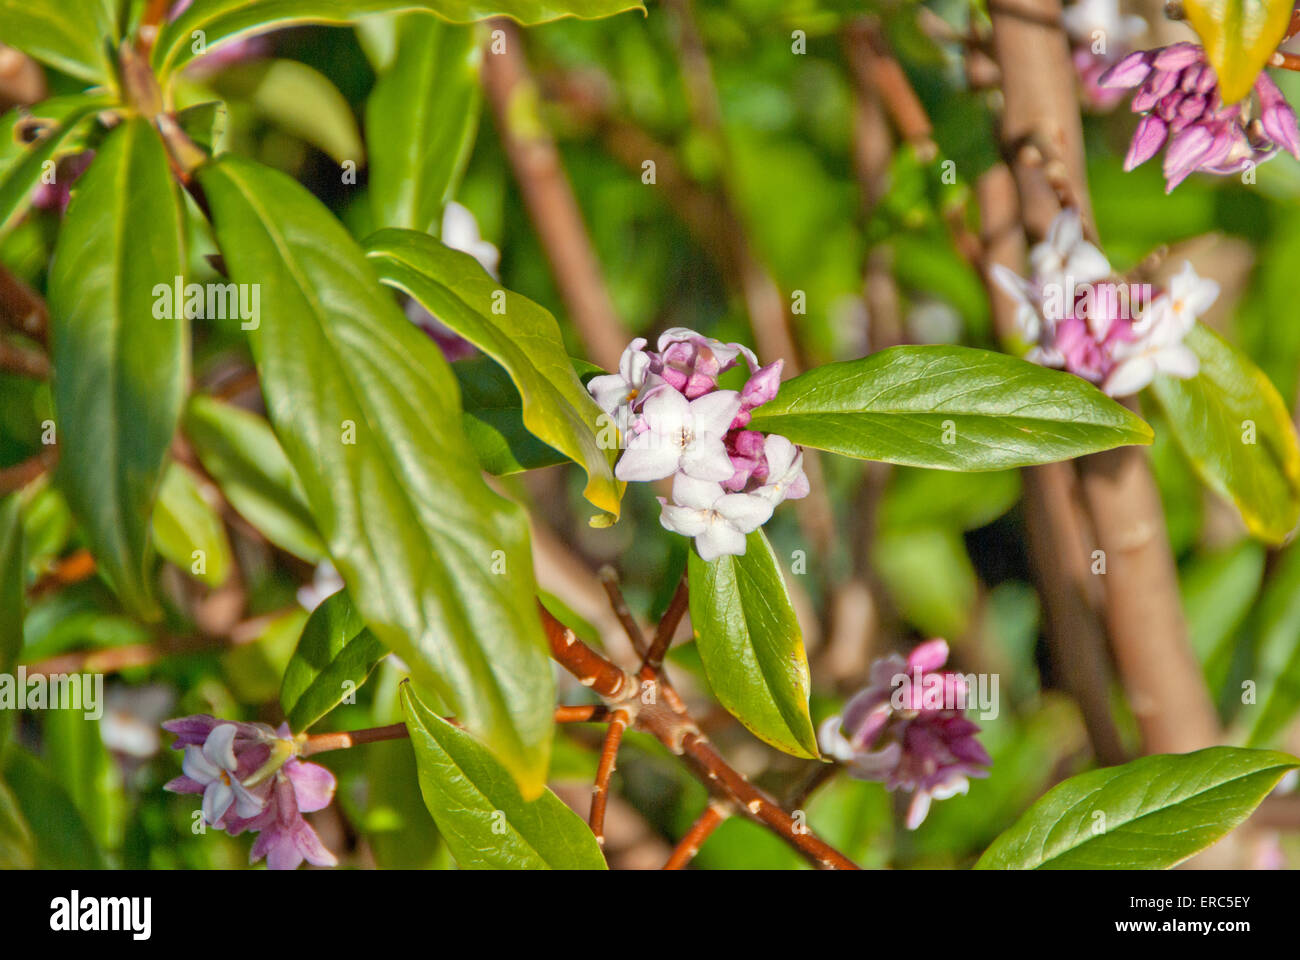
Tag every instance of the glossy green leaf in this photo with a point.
(953, 408)
(187, 530)
(1277, 626)
(493, 419)
(1237, 433)
(367, 411)
(1149, 814)
(224, 21)
(62, 839)
(240, 451)
(1239, 36)
(478, 809)
(119, 370)
(751, 645)
(32, 142)
(74, 36)
(334, 656)
(421, 120)
(517, 333)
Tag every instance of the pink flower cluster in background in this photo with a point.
(893, 733)
(1117, 335)
(1178, 97)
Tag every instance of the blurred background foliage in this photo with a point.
(944, 552)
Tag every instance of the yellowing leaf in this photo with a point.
(1239, 36)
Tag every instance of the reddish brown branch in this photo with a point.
(712, 817)
(669, 723)
(618, 722)
(20, 474)
(23, 362)
(672, 618)
(609, 580)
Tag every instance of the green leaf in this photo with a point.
(334, 656)
(517, 333)
(421, 120)
(241, 453)
(953, 408)
(1237, 433)
(1239, 36)
(751, 645)
(1149, 814)
(76, 756)
(12, 581)
(188, 531)
(74, 36)
(478, 809)
(493, 419)
(17, 846)
(299, 100)
(119, 370)
(59, 127)
(63, 841)
(367, 411)
(224, 21)
(1277, 626)
(929, 577)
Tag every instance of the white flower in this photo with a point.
(785, 476)
(1065, 260)
(213, 766)
(674, 433)
(460, 232)
(325, 582)
(716, 519)
(1028, 318)
(1159, 347)
(614, 390)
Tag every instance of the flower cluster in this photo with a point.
(1116, 335)
(251, 779)
(1178, 96)
(1099, 36)
(894, 733)
(675, 422)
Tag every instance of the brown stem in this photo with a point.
(713, 816)
(321, 742)
(669, 723)
(677, 607)
(618, 722)
(20, 474)
(22, 308)
(1042, 133)
(609, 580)
(550, 201)
(23, 362)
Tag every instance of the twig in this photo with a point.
(667, 629)
(20, 474)
(618, 722)
(23, 362)
(550, 200)
(712, 817)
(321, 742)
(673, 727)
(609, 580)
(22, 308)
